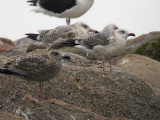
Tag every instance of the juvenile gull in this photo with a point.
(103, 45)
(77, 30)
(35, 67)
(109, 29)
(62, 8)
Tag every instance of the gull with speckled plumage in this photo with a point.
(35, 67)
(78, 30)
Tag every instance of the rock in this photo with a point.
(1, 105)
(82, 91)
(23, 42)
(133, 44)
(6, 44)
(35, 46)
(21, 47)
(15, 51)
(79, 52)
(150, 49)
(142, 67)
(9, 116)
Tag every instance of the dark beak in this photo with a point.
(94, 31)
(131, 34)
(67, 57)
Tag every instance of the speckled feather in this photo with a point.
(78, 30)
(57, 33)
(98, 39)
(34, 67)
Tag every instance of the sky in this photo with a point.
(137, 16)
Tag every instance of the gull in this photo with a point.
(108, 29)
(78, 30)
(62, 8)
(35, 67)
(103, 45)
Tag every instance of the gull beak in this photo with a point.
(131, 34)
(94, 31)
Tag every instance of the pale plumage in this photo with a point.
(103, 44)
(62, 8)
(108, 47)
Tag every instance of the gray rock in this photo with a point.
(83, 85)
(23, 42)
(133, 44)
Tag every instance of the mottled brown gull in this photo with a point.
(78, 30)
(35, 67)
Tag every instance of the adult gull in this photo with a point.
(62, 8)
(104, 45)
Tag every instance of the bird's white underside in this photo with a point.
(82, 7)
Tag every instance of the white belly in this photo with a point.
(108, 51)
(76, 11)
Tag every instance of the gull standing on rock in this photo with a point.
(109, 30)
(104, 45)
(77, 30)
(35, 67)
(62, 8)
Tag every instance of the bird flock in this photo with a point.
(105, 44)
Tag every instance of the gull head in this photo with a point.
(54, 54)
(110, 28)
(84, 27)
(122, 33)
(42, 33)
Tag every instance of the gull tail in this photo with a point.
(32, 36)
(62, 43)
(70, 43)
(8, 72)
(33, 2)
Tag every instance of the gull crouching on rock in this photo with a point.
(35, 67)
(77, 30)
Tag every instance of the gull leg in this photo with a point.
(110, 64)
(41, 93)
(68, 20)
(35, 88)
(103, 63)
(87, 54)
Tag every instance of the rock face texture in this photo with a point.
(142, 67)
(9, 116)
(6, 44)
(134, 44)
(150, 49)
(82, 91)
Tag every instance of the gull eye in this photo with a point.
(54, 53)
(122, 32)
(115, 28)
(85, 26)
